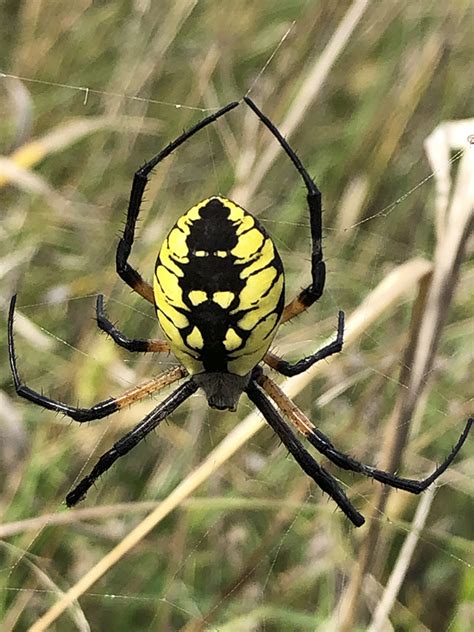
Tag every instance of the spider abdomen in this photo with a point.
(219, 288)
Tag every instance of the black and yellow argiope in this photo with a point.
(219, 295)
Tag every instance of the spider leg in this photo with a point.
(313, 292)
(289, 369)
(131, 439)
(140, 179)
(131, 344)
(100, 410)
(320, 476)
(323, 444)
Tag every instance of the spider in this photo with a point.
(219, 296)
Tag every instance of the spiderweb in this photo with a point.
(254, 545)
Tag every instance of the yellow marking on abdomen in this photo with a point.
(232, 340)
(178, 319)
(224, 299)
(166, 259)
(264, 259)
(255, 348)
(168, 283)
(195, 339)
(176, 244)
(257, 285)
(263, 306)
(197, 297)
(247, 245)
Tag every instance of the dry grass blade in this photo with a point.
(448, 137)
(309, 90)
(47, 586)
(428, 321)
(32, 152)
(457, 224)
(27, 329)
(11, 171)
(380, 617)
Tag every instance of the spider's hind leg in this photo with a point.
(131, 439)
(323, 444)
(320, 476)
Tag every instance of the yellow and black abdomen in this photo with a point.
(219, 288)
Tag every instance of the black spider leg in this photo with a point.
(289, 369)
(131, 439)
(313, 292)
(322, 443)
(320, 476)
(143, 345)
(140, 179)
(100, 410)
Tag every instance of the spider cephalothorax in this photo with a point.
(219, 294)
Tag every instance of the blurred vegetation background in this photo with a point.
(258, 547)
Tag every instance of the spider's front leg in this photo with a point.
(314, 291)
(140, 179)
